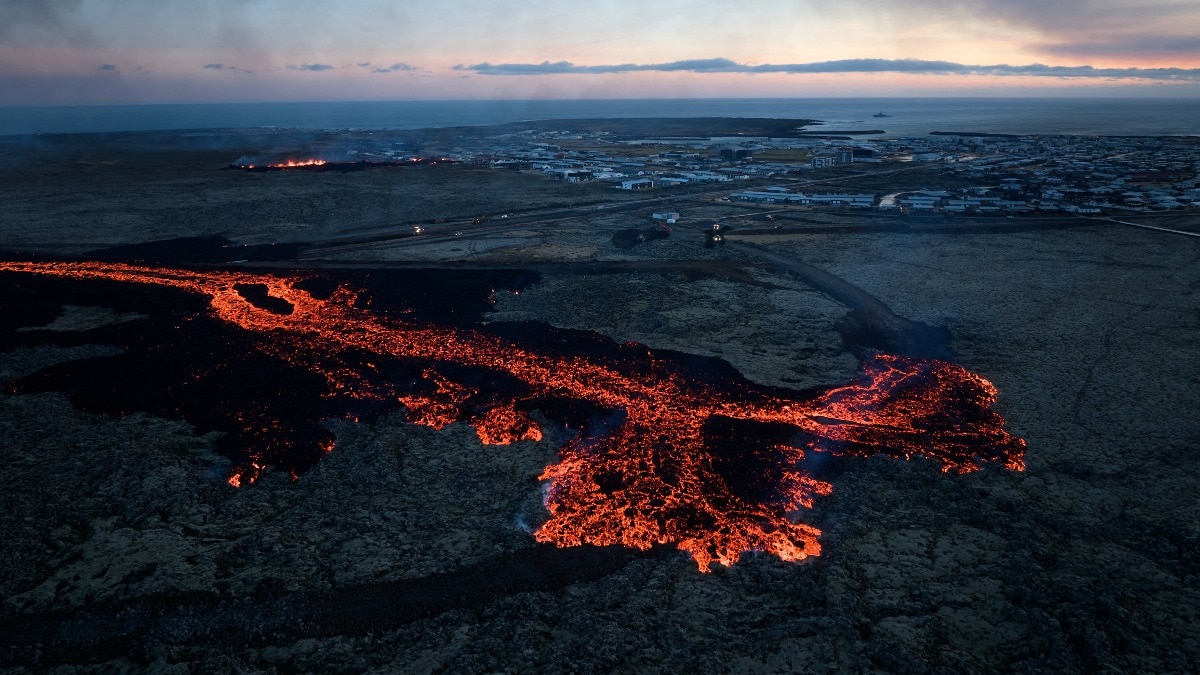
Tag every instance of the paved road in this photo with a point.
(1108, 219)
(402, 234)
(870, 323)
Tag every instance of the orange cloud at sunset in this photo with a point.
(87, 51)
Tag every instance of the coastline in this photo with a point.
(1083, 116)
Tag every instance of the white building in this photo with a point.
(804, 199)
(636, 184)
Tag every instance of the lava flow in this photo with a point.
(663, 452)
(323, 165)
(292, 163)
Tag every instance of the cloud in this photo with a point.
(916, 66)
(312, 67)
(1140, 45)
(222, 66)
(395, 68)
(107, 66)
(1083, 17)
(1080, 28)
(23, 18)
(560, 67)
(364, 64)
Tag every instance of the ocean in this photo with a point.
(906, 116)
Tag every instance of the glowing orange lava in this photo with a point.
(657, 474)
(293, 163)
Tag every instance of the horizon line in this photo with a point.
(998, 96)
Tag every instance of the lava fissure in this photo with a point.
(657, 472)
(324, 165)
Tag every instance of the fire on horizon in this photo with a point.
(315, 164)
(715, 468)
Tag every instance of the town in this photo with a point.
(961, 172)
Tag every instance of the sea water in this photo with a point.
(905, 116)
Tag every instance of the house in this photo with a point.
(761, 197)
(858, 201)
(733, 154)
(636, 184)
(824, 161)
(919, 202)
(571, 175)
(803, 199)
(705, 177)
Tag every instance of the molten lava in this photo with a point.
(323, 165)
(665, 455)
(292, 163)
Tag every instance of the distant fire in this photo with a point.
(292, 164)
(324, 165)
(714, 466)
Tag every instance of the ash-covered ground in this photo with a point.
(408, 549)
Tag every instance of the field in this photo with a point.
(103, 192)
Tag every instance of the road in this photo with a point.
(444, 232)
(1109, 219)
(402, 234)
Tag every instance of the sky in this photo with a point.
(79, 52)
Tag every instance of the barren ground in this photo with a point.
(1086, 561)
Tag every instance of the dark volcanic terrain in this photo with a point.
(409, 549)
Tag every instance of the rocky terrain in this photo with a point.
(407, 549)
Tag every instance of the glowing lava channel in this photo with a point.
(655, 477)
(295, 163)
